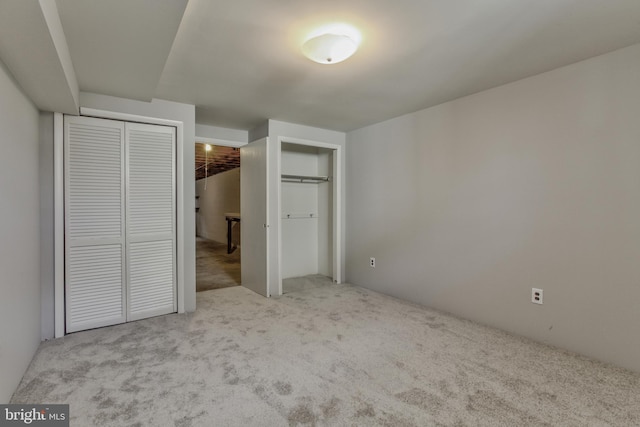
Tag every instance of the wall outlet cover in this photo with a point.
(536, 296)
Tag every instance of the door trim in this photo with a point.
(58, 168)
(58, 213)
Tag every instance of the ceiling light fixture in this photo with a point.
(331, 44)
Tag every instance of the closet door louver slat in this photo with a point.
(96, 283)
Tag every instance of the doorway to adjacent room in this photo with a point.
(217, 173)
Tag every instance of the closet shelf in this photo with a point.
(305, 178)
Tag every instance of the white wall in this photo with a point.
(219, 133)
(276, 130)
(172, 111)
(470, 204)
(19, 234)
(259, 132)
(222, 195)
(299, 235)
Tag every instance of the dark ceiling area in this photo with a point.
(219, 159)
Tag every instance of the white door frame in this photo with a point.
(337, 202)
(58, 171)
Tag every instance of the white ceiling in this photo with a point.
(240, 63)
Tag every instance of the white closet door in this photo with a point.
(150, 220)
(254, 205)
(94, 221)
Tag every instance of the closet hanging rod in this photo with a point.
(303, 178)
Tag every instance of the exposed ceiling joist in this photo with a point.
(219, 159)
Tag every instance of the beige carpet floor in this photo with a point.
(215, 268)
(333, 355)
(297, 284)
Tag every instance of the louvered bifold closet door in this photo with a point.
(94, 223)
(151, 243)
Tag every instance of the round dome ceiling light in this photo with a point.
(329, 48)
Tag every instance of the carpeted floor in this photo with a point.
(215, 268)
(305, 283)
(331, 355)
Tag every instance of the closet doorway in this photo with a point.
(309, 237)
(218, 222)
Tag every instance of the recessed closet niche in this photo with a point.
(306, 211)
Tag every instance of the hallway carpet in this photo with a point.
(334, 355)
(215, 268)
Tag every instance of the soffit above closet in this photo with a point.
(119, 47)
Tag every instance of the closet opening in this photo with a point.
(217, 174)
(307, 216)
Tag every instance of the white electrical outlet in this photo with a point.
(372, 262)
(536, 296)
